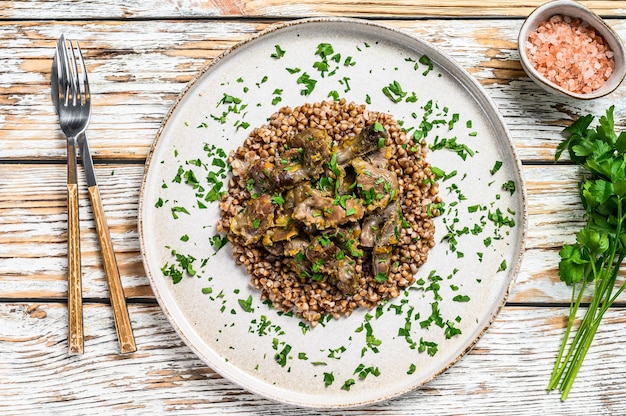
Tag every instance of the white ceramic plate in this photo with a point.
(371, 355)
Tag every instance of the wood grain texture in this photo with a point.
(74, 275)
(506, 372)
(138, 68)
(98, 9)
(140, 56)
(33, 227)
(34, 231)
(109, 262)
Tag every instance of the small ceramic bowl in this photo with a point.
(574, 10)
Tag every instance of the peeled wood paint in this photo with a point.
(36, 375)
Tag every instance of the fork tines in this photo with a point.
(73, 82)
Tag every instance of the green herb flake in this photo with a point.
(348, 384)
(308, 82)
(218, 241)
(334, 95)
(496, 167)
(461, 298)
(509, 186)
(246, 304)
(282, 356)
(425, 60)
(178, 209)
(279, 52)
(381, 277)
(277, 199)
(394, 92)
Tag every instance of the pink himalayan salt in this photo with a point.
(569, 53)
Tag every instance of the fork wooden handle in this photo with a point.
(118, 300)
(74, 286)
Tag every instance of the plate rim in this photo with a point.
(495, 117)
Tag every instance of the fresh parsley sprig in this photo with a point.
(594, 260)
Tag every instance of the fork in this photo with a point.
(77, 75)
(74, 113)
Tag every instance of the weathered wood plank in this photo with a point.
(141, 55)
(506, 372)
(33, 226)
(137, 69)
(100, 9)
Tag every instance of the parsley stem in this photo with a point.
(578, 359)
(604, 277)
(561, 364)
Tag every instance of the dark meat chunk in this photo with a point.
(259, 179)
(294, 256)
(284, 227)
(305, 158)
(387, 236)
(330, 262)
(256, 218)
(367, 141)
(316, 208)
(370, 229)
(377, 186)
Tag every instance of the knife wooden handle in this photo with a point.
(74, 285)
(116, 292)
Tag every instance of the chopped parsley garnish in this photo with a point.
(282, 356)
(381, 277)
(177, 209)
(279, 52)
(461, 298)
(308, 82)
(246, 304)
(394, 92)
(329, 378)
(425, 60)
(348, 383)
(218, 241)
(496, 167)
(509, 186)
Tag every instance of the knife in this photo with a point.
(116, 292)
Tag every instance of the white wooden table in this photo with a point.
(140, 56)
